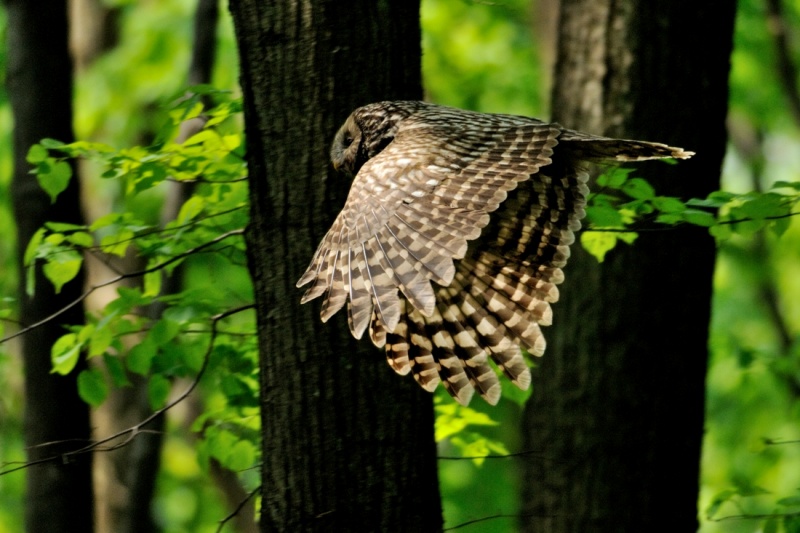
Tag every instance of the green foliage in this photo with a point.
(489, 63)
(623, 205)
(190, 334)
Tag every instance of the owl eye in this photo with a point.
(347, 141)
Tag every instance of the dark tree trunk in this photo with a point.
(59, 494)
(618, 402)
(347, 445)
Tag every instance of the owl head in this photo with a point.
(367, 131)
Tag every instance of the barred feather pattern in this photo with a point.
(452, 241)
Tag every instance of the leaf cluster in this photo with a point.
(626, 205)
(142, 330)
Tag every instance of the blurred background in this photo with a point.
(132, 57)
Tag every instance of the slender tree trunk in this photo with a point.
(59, 494)
(347, 445)
(618, 402)
(136, 467)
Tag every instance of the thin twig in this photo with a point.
(135, 430)
(238, 509)
(119, 278)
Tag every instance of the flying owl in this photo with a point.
(452, 240)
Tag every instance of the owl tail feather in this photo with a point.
(597, 149)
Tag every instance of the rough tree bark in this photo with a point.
(59, 494)
(619, 398)
(347, 445)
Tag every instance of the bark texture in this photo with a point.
(347, 445)
(59, 494)
(618, 403)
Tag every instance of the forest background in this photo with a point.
(496, 58)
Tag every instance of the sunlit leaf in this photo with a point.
(65, 353)
(62, 268)
(117, 243)
(36, 154)
(54, 178)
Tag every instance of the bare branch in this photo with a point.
(238, 509)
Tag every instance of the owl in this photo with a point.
(451, 244)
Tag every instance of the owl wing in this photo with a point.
(410, 213)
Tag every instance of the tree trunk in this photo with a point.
(347, 445)
(618, 402)
(59, 494)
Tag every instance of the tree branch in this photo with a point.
(121, 277)
(135, 430)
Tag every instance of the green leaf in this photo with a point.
(668, 204)
(33, 246)
(780, 225)
(598, 243)
(65, 353)
(203, 136)
(92, 387)
(220, 442)
(638, 188)
(452, 418)
(721, 231)
(699, 218)
(190, 209)
(117, 243)
(63, 227)
(81, 239)
(615, 178)
(52, 143)
(140, 357)
(765, 205)
(241, 456)
(105, 221)
(54, 178)
(786, 185)
(36, 154)
(100, 340)
(604, 216)
(116, 370)
(477, 446)
(163, 331)
(158, 390)
(152, 283)
(62, 268)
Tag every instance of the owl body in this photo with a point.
(451, 243)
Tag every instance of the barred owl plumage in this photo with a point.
(452, 239)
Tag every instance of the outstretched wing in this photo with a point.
(412, 210)
(500, 295)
